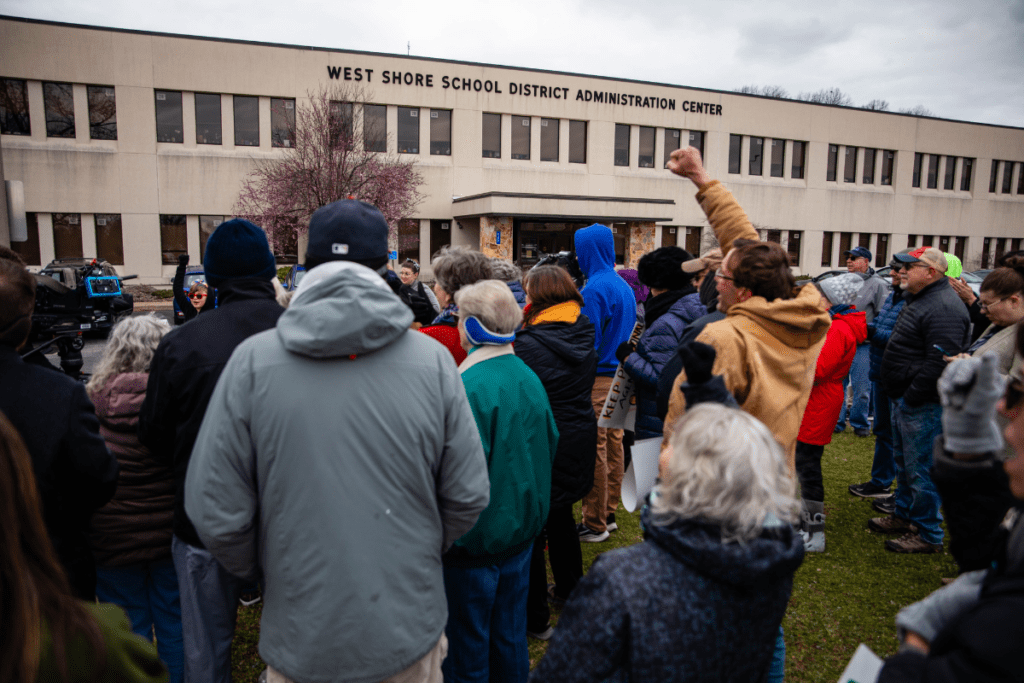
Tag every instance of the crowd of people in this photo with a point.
(395, 466)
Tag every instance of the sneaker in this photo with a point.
(542, 635)
(891, 525)
(912, 543)
(249, 599)
(862, 433)
(588, 535)
(610, 525)
(814, 541)
(868, 490)
(887, 505)
(553, 599)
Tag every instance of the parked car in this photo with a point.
(192, 275)
(294, 277)
(79, 294)
(974, 280)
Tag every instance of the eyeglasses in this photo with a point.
(1014, 394)
(197, 295)
(719, 274)
(984, 306)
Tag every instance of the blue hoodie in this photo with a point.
(607, 300)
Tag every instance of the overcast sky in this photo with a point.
(961, 60)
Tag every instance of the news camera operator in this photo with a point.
(75, 472)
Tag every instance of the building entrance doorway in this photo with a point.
(534, 239)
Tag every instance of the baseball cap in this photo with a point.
(348, 230)
(859, 252)
(711, 259)
(930, 256)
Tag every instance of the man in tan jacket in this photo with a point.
(768, 343)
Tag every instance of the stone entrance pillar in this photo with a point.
(639, 241)
(496, 237)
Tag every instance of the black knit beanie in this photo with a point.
(238, 249)
(661, 268)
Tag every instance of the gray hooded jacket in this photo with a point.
(340, 456)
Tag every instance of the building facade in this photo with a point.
(132, 146)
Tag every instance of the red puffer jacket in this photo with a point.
(847, 331)
(135, 526)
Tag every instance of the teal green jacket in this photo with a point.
(519, 437)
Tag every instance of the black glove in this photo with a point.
(700, 385)
(183, 259)
(625, 348)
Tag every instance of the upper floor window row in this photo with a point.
(935, 170)
(522, 138)
(647, 137)
(1003, 175)
(58, 109)
(245, 113)
(777, 151)
(876, 165)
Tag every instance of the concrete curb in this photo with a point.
(154, 305)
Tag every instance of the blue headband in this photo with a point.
(480, 335)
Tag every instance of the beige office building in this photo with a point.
(133, 146)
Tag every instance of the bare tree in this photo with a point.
(827, 96)
(877, 105)
(776, 91)
(919, 110)
(328, 162)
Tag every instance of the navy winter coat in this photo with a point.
(880, 329)
(562, 355)
(682, 606)
(657, 345)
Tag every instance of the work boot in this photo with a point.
(812, 514)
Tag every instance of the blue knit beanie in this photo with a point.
(238, 249)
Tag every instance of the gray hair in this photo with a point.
(726, 469)
(506, 271)
(492, 303)
(456, 267)
(129, 349)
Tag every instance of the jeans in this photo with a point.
(603, 499)
(777, 670)
(883, 468)
(209, 605)
(808, 471)
(858, 378)
(913, 438)
(563, 543)
(148, 593)
(487, 622)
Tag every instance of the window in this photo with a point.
(669, 236)
(992, 178)
(850, 168)
(773, 236)
(375, 128)
(59, 105)
(341, 124)
(577, 142)
(109, 246)
(845, 243)
(833, 162)
(549, 139)
(799, 153)
(826, 248)
(208, 128)
(673, 138)
(918, 159)
(521, 137)
(168, 116)
(14, 108)
(959, 246)
(869, 166)
(207, 224)
(102, 113)
(646, 151)
(911, 241)
(441, 132)
(1000, 248)
(621, 145)
(950, 173)
(944, 243)
(440, 232)
(247, 121)
(67, 235)
(29, 249)
(408, 130)
(881, 251)
(697, 141)
(492, 137)
(1007, 176)
(735, 152)
(864, 240)
(756, 156)
(1020, 181)
(888, 160)
(778, 158)
(282, 122)
(793, 247)
(985, 250)
(173, 240)
(933, 171)
(408, 239)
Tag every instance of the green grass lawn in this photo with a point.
(846, 596)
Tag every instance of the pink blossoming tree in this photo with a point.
(329, 158)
